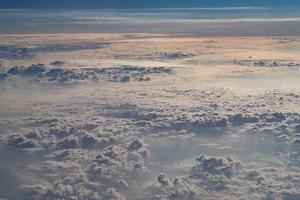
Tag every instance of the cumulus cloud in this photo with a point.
(103, 153)
(41, 73)
(266, 63)
(96, 143)
(20, 52)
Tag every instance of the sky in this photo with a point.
(127, 4)
(241, 21)
(231, 17)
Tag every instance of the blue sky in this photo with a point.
(142, 3)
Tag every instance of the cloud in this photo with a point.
(96, 145)
(41, 73)
(15, 52)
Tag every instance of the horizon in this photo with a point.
(216, 21)
(164, 8)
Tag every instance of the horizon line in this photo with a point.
(157, 8)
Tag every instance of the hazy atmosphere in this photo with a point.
(149, 100)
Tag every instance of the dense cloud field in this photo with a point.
(149, 116)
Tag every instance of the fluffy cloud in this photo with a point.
(41, 73)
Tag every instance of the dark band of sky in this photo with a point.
(98, 4)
